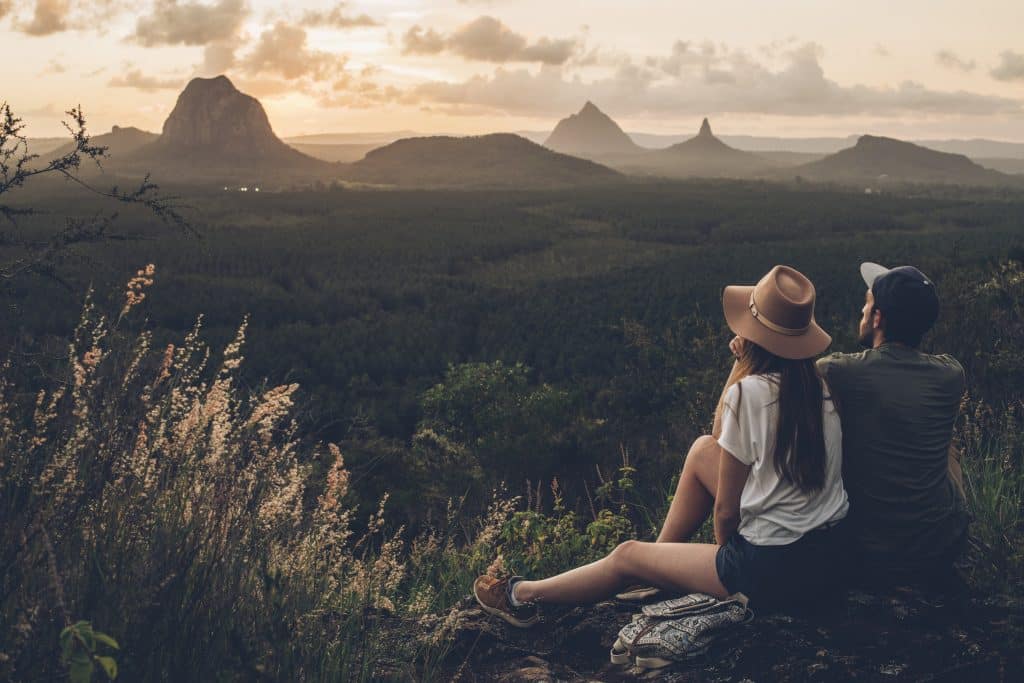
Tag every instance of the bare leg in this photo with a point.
(695, 494)
(684, 567)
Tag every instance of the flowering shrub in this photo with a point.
(161, 496)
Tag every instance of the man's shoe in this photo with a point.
(636, 593)
(494, 596)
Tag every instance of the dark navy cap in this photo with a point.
(905, 294)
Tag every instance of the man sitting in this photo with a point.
(898, 406)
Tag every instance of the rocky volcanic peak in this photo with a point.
(703, 155)
(588, 133)
(705, 141)
(213, 116)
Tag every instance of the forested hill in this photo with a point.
(878, 159)
(496, 160)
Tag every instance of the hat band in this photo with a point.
(788, 331)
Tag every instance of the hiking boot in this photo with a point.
(494, 596)
(637, 592)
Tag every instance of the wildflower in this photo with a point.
(135, 289)
(165, 366)
(337, 481)
(499, 512)
(92, 358)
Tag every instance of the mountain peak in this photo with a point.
(705, 130)
(211, 112)
(213, 120)
(590, 133)
(218, 84)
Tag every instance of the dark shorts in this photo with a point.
(779, 575)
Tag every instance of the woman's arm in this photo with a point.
(732, 476)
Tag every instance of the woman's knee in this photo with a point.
(623, 557)
(704, 443)
(703, 448)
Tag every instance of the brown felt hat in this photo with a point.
(777, 314)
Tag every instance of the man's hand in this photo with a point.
(736, 346)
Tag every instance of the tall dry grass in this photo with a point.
(145, 491)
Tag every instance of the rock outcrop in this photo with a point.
(707, 156)
(590, 134)
(903, 635)
(214, 125)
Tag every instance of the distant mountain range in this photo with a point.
(868, 160)
(977, 148)
(217, 132)
(592, 134)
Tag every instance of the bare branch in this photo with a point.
(16, 169)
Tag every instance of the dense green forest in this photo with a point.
(303, 485)
(602, 305)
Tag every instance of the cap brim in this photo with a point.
(871, 272)
(736, 306)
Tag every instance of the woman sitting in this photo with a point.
(772, 477)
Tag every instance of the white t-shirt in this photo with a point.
(773, 511)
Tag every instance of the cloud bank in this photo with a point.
(705, 78)
(487, 39)
(190, 23)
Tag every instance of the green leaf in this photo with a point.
(109, 666)
(80, 671)
(107, 640)
(67, 643)
(83, 630)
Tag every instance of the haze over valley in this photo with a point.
(217, 133)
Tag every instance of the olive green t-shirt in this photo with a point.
(898, 406)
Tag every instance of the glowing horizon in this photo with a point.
(791, 68)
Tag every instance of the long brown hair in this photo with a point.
(799, 453)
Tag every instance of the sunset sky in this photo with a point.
(912, 68)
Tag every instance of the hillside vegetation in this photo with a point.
(243, 496)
